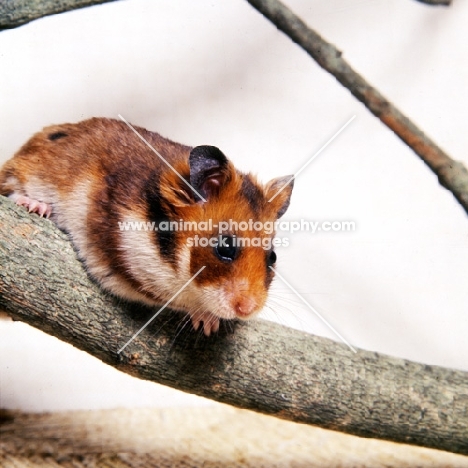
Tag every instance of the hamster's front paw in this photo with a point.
(210, 322)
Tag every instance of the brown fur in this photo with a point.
(98, 172)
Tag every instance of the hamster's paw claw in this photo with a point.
(215, 325)
(34, 206)
(44, 210)
(196, 323)
(210, 325)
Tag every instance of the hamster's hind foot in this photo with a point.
(34, 206)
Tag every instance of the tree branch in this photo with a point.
(14, 13)
(258, 365)
(452, 174)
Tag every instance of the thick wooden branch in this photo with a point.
(452, 175)
(14, 13)
(256, 365)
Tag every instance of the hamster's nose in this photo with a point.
(244, 307)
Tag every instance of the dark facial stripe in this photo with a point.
(165, 239)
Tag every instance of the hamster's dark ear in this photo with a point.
(278, 193)
(209, 170)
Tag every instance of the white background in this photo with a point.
(218, 73)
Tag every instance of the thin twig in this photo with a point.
(452, 175)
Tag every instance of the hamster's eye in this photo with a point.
(226, 248)
(271, 259)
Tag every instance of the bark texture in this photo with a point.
(452, 174)
(257, 365)
(14, 13)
